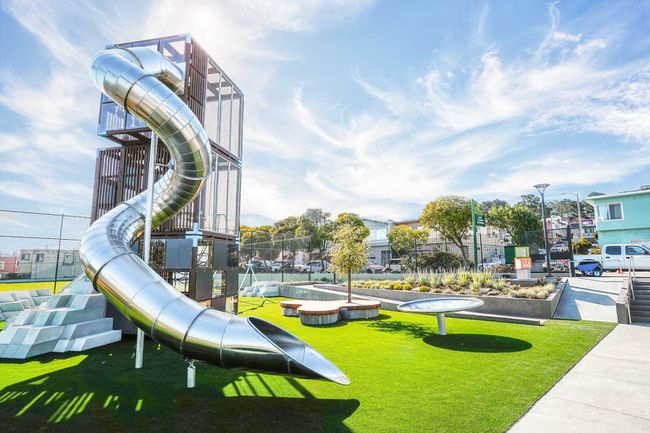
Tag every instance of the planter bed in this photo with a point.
(501, 305)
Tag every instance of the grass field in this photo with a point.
(480, 378)
(9, 287)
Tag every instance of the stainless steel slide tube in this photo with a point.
(144, 82)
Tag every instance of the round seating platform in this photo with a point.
(328, 312)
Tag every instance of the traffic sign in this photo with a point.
(479, 220)
(523, 263)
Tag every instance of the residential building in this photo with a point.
(623, 217)
(490, 241)
(8, 265)
(41, 263)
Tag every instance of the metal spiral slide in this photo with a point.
(145, 83)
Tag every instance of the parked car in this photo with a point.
(257, 265)
(394, 266)
(275, 266)
(560, 247)
(373, 268)
(316, 266)
(492, 262)
(614, 257)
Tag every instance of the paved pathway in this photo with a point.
(590, 298)
(608, 391)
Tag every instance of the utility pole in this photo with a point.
(580, 234)
(541, 187)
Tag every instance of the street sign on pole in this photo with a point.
(480, 220)
(474, 233)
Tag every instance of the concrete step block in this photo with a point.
(23, 351)
(59, 301)
(6, 297)
(82, 329)
(7, 307)
(89, 341)
(75, 316)
(88, 301)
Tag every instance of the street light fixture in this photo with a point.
(541, 187)
(579, 212)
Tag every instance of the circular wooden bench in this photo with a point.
(360, 309)
(290, 308)
(328, 312)
(319, 313)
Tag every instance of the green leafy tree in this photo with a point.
(489, 204)
(256, 241)
(349, 253)
(534, 203)
(287, 226)
(452, 217)
(404, 239)
(516, 220)
(360, 228)
(566, 208)
(582, 246)
(316, 224)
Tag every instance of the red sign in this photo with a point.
(523, 263)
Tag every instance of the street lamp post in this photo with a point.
(541, 187)
(580, 234)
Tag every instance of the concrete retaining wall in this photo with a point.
(623, 303)
(501, 305)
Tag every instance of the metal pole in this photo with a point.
(474, 234)
(580, 235)
(153, 147)
(282, 255)
(572, 268)
(548, 253)
(480, 239)
(58, 254)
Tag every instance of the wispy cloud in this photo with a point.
(487, 124)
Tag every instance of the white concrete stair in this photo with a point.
(267, 288)
(73, 320)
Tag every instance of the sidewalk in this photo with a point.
(608, 391)
(590, 298)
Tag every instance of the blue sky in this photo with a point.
(368, 106)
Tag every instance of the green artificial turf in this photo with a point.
(481, 377)
(32, 285)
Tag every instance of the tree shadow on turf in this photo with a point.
(393, 326)
(477, 343)
(104, 393)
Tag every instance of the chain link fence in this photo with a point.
(40, 246)
(560, 254)
(284, 258)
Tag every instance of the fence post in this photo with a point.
(58, 254)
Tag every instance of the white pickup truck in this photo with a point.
(613, 257)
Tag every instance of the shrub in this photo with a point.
(449, 279)
(535, 292)
(582, 246)
(410, 278)
(423, 279)
(500, 284)
(595, 250)
(475, 287)
(424, 289)
(463, 278)
(435, 280)
(433, 260)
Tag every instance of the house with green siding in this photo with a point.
(623, 217)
